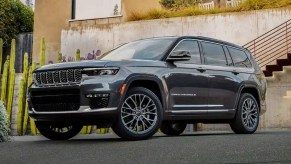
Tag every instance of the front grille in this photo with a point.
(98, 102)
(59, 77)
(56, 100)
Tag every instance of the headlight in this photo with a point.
(100, 71)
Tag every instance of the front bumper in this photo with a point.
(84, 114)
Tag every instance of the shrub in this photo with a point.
(178, 3)
(15, 18)
(4, 130)
(181, 8)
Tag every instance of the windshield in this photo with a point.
(149, 49)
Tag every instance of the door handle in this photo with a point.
(235, 72)
(201, 70)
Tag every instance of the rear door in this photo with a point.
(223, 80)
(187, 81)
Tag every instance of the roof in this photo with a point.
(211, 40)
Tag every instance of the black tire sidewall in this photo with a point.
(237, 125)
(44, 129)
(123, 132)
(167, 128)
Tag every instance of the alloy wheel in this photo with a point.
(139, 113)
(250, 113)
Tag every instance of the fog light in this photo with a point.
(89, 95)
(97, 95)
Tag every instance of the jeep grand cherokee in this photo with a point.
(148, 84)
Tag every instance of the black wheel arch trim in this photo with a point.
(134, 77)
(247, 85)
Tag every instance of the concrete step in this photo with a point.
(288, 95)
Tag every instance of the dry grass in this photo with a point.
(247, 5)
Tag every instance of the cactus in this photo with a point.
(42, 52)
(4, 81)
(20, 107)
(26, 84)
(1, 53)
(10, 94)
(60, 57)
(78, 56)
(12, 55)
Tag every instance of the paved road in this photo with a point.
(202, 147)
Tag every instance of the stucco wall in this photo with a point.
(238, 28)
(51, 16)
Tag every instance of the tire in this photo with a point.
(172, 128)
(247, 115)
(58, 131)
(140, 115)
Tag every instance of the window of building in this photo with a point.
(213, 54)
(240, 58)
(192, 47)
(91, 9)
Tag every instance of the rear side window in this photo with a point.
(213, 54)
(240, 58)
(192, 47)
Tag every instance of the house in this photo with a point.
(53, 16)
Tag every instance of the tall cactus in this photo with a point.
(1, 53)
(20, 107)
(10, 93)
(11, 79)
(42, 52)
(26, 83)
(4, 81)
(12, 55)
(60, 57)
(78, 55)
(32, 124)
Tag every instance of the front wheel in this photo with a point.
(247, 115)
(58, 131)
(140, 115)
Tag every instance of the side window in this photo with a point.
(228, 58)
(213, 54)
(192, 47)
(240, 58)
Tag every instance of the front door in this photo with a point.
(187, 82)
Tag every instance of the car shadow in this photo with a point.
(112, 138)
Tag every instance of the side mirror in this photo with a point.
(179, 56)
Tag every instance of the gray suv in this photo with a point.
(145, 85)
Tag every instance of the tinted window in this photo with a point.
(228, 58)
(214, 54)
(192, 47)
(240, 58)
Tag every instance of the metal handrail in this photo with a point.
(272, 45)
(269, 31)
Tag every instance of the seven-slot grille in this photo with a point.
(59, 77)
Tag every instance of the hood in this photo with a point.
(103, 63)
(69, 65)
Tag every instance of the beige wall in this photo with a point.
(239, 28)
(51, 17)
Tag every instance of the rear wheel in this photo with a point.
(140, 115)
(55, 131)
(247, 115)
(172, 128)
